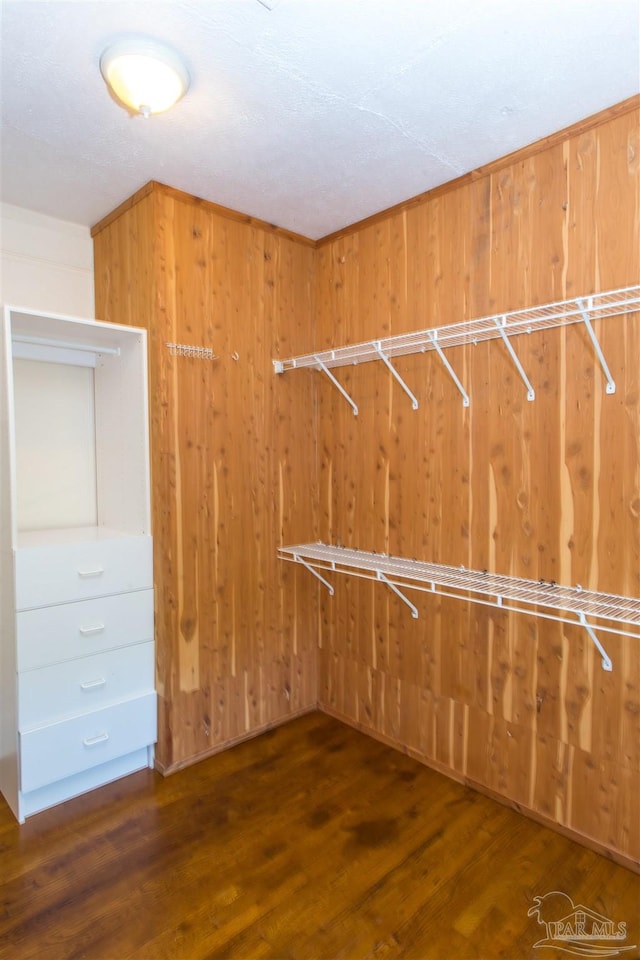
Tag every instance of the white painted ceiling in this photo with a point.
(312, 114)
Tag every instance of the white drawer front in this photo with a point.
(80, 686)
(51, 634)
(77, 571)
(62, 749)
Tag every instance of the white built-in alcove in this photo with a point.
(78, 392)
(55, 445)
(77, 691)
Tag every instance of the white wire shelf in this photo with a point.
(502, 325)
(544, 599)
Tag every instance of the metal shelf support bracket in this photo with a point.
(377, 346)
(414, 610)
(315, 573)
(584, 310)
(433, 336)
(500, 324)
(339, 386)
(606, 659)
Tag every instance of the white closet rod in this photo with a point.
(64, 344)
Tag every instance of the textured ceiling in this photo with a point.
(312, 114)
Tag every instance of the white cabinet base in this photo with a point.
(38, 800)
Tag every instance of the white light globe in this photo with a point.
(145, 76)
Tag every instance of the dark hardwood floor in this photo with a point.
(312, 841)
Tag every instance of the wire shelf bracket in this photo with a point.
(606, 659)
(377, 346)
(501, 324)
(414, 610)
(504, 326)
(315, 573)
(433, 334)
(538, 598)
(322, 366)
(585, 309)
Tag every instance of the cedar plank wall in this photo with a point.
(518, 706)
(233, 461)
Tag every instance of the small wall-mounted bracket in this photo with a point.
(584, 308)
(392, 586)
(322, 366)
(433, 336)
(500, 324)
(187, 350)
(377, 346)
(606, 659)
(312, 570)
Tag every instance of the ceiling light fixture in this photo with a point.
(145, 76)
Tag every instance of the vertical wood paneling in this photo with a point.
(548, 489)
(233, 460)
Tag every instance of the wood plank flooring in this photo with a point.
(312, 841)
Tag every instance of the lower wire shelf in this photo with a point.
(539, 598)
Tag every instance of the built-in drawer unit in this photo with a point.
(59, 750)
(63, 573)
(77, 662)
(74, 687)
(51, 634)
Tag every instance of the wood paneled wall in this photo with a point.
(548, 489)
(244, 461)
(233, 460)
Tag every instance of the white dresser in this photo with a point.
(77, 697)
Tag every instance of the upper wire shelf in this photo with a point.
(474, 331)
(500, 325)
(563, 603)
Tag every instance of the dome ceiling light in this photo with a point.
(145, 76)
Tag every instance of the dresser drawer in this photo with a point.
(52, 634)
(81, 686)
(62, 749)
(80, 570)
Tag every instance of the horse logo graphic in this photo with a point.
(577, 929)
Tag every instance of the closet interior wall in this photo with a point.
(244, 461)
(233, 460)
(545, 489)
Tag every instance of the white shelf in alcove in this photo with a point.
(571, 605)
(502, 325)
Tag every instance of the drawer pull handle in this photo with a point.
(96, 572)
(89, 631)
(92, 684)
(92, 741)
